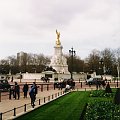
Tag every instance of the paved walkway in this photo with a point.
(6, 105)
(9, 105)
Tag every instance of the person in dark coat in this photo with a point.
(25, 89)
(36, 88)
(32, 95)
(16, 91)
(12, 79)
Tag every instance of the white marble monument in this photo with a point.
(58, 61)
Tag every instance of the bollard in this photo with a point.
(52, 96)
(10, 93)
(39, 101)
(48, 98)
(44, 99)
(81, 84)
(41, 88)
(0, 96)
(25, 108)
(0, 116)
(54, 86)
(58, 93)
(47, 87)
(14, 112)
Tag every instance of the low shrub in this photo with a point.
(108, 88)
(101, 93)
(97, 93)
(102, 110)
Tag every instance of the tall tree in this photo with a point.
(93, 61)
(117, 62)
(108, 57)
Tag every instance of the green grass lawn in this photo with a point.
(72, 106)
(68, 107)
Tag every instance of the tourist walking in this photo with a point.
(12, 79)
(16, 91)
(36, 88)
(32, 95)
(25, 90)
(67, 88)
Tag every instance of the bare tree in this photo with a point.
(108, 57)
(93, 61)
(117, 61)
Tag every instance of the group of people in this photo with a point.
(15, 91)
(62, 84)
(100, 83)
(70, 85)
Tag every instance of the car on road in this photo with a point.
(4, 85)
(93, 80)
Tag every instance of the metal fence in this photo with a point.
(27, 107)
(41, 87)
(50, 86)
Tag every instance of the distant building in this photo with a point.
(22, 58)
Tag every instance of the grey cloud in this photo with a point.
(82, 23)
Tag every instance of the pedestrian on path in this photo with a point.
(36, 88)
(67, 88)
(25, 90)
(32, 95)
(16, 91)
(12, 79)
(12, 92)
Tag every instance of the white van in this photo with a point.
(93, 80)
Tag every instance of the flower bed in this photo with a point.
(102, 110)
(102, 107)
(102, 93)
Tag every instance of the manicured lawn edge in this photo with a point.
(37, 107)
(69, 107)
(77, 106)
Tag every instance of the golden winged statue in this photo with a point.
(58, 38)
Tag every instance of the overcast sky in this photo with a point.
(30, 25)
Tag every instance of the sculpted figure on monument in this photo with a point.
(58, 61)
(58, 38)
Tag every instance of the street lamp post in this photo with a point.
(9, 67)
(103, 67)
(118, 70)
(72, 53)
